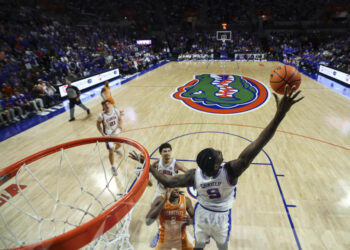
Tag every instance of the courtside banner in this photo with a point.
(335, 74)
(250, 57)
(90, 81)
(144, 42)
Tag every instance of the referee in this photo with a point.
(74, 99)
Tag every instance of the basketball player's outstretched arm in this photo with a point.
(137, 157)
(179, 166)
(179, 180)
(140, 158)
(236, 167)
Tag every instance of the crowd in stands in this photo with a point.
(38, 52)
(290, 11)
(207, 46)
(302, 50)
(309, 52)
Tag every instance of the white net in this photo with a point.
(64, 190)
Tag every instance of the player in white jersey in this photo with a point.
(111, 122)
(166, 165)
(216, 181)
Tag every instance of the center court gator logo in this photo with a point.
(222, 94)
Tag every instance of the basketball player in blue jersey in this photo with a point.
(216, 181)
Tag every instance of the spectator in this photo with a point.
(15, 111)
(7, 90)
(5, 117)
(51, 93)
(57, 81)
(21, 101)
(37, 103)
(86, 72)
(38, 92)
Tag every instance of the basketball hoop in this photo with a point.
(223, 41)
(90, 206)
(224, 36)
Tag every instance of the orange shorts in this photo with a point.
(184, 245)
(110, 99)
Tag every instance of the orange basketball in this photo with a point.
(284, 75)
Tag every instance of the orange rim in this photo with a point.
(97, 226)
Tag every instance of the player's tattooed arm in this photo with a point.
(180, 180)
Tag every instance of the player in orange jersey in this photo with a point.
(170, 208)
(106, 93)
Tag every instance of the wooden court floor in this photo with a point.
(296, 194)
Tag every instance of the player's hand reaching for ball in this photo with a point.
(287, 101)
(137, 157)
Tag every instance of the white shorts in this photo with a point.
(111, 145)
(211, 224)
